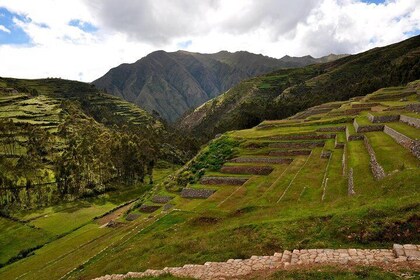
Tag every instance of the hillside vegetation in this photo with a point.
(339, 175)
(283, 93)
(169, 84)
(61, 140)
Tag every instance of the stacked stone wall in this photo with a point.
(196, 193)
(377, 170)
(407, 255)
(383, 119)
(277, 160)
(255, 170)
(331, 129)
(413, 107)
(223, 181)
(367, 128)
(290, 153)
(412, 145)
(297, 145)
(410, 121)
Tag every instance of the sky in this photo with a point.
(83, 39)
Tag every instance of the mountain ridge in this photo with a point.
(170, 83)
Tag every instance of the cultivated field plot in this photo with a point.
(304, 182)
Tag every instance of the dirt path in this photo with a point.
(114, 215)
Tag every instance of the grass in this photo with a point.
(405, 129)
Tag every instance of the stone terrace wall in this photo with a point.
(255, 170)
(304, 136)
(367, 128)
(297, 145)
(412, 145)
(383, 119)
(331, 129)
(377, 170)
(410, 121)
(278, 160)
(196, 193)
(353, 137)
(413, 107)
(223, 181)
(350, 183)
(407, 254)
(290, 153)
(365, 105)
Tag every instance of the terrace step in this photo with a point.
(234, 181)
(290, 153)
(255, 170)
(297, 145)
(410, 121)
(304, 136)
(277, 160)
(196, 193)
(412, 145)
(367, 128)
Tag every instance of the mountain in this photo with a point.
(285, 92)
(172, 83)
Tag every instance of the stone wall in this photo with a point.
(290, 153)
(148, 208)
(377, 170)
(413, 107)
(407, 255)
(344, 160)
(365, 105)
(255, 170)
(350, 183)
(353, 137)
(410, 121)
(196, 193)
(304, 136)
(297, 145)
(367, 128)
(235, 181)
(412, 145)
(278, 160)
(161, 199)
(331, 129)
(383, 119)
(326, 154)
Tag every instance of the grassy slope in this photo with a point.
(283, 210)
(283, 93)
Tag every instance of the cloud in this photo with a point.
(4, 29)
(83, 39)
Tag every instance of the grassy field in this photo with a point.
(301, 204)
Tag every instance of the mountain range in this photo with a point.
(168, 84)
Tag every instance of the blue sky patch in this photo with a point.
(85, 26)
(374, 1)
(16, 34)
(184, 44)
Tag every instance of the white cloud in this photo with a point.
(128, 30)
(4, 29)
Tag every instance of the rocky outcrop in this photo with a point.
(377, 170)
(383, 119)
(238, 268)
(196, 193)
(410, 121)
(234, 181)
(412, 145)
(277, 160)
(255, 170)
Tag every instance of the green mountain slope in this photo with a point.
(61, 140)
(173, 83)
(285, 92)
(340, 175)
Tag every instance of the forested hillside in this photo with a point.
(61, 140)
